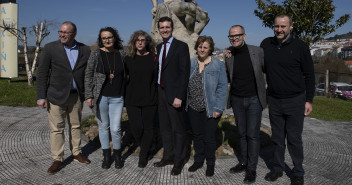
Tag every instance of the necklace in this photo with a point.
(112, 71)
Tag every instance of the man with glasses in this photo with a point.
(290, 77)
(60, 89)
(247, 98)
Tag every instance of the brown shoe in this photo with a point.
(55, 167)
(80, 158)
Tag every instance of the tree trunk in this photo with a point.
(28, 69)
(38, 38)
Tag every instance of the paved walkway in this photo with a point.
(25, 157)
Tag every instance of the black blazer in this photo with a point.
(54, 77)
(176, 71)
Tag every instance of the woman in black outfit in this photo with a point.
(141, 97)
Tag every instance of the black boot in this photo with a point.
(143, 159)
(118, 160)
(210, 170)
(107, 158)
(142, 162)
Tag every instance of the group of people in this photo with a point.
(162, 80)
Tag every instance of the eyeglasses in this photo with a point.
(142, 40)
(107, 38)
(65, 33)
(235, 36)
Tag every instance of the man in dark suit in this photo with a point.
(173, 76)
(247, 98)
(60, 80)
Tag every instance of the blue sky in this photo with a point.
(128, 16)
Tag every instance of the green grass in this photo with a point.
(86, 123)
(17, 93)
(332, 109)
(89, 121)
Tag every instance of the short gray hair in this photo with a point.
(243, 30)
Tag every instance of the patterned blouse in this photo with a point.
(196, 91)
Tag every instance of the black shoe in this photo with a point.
(250, 177)
(176, 170)
(142, 163)
(163, 163)
(195, 166)
(118, 160)
(273, 176)
(297, 180)
(238, 168)
(107, 158)
(210, 170)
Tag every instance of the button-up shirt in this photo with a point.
(72, 55)
(168, 43)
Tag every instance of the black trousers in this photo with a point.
(172, 129)
(204, 141)
(141, 121)
(286, 119)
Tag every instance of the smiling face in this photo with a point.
(282, 28)
(67, 34)
(140, 43)
(237, 37)
(203, 50)
(165, 29)
(107, 39)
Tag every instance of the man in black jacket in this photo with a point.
(60, 80)
(290, 78)
(173, 76)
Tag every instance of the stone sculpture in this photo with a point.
(189, 20)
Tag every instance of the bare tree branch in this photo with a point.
(40, 31)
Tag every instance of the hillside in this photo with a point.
(342, 36)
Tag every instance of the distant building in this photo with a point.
(322, 47)
(335, 47)
(321, 52)
(346, 53)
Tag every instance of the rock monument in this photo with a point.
(189, 20)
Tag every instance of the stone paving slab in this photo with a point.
(25, 157)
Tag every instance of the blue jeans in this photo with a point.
(248, 115)
(110, 111)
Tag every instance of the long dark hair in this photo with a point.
(113, 31)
